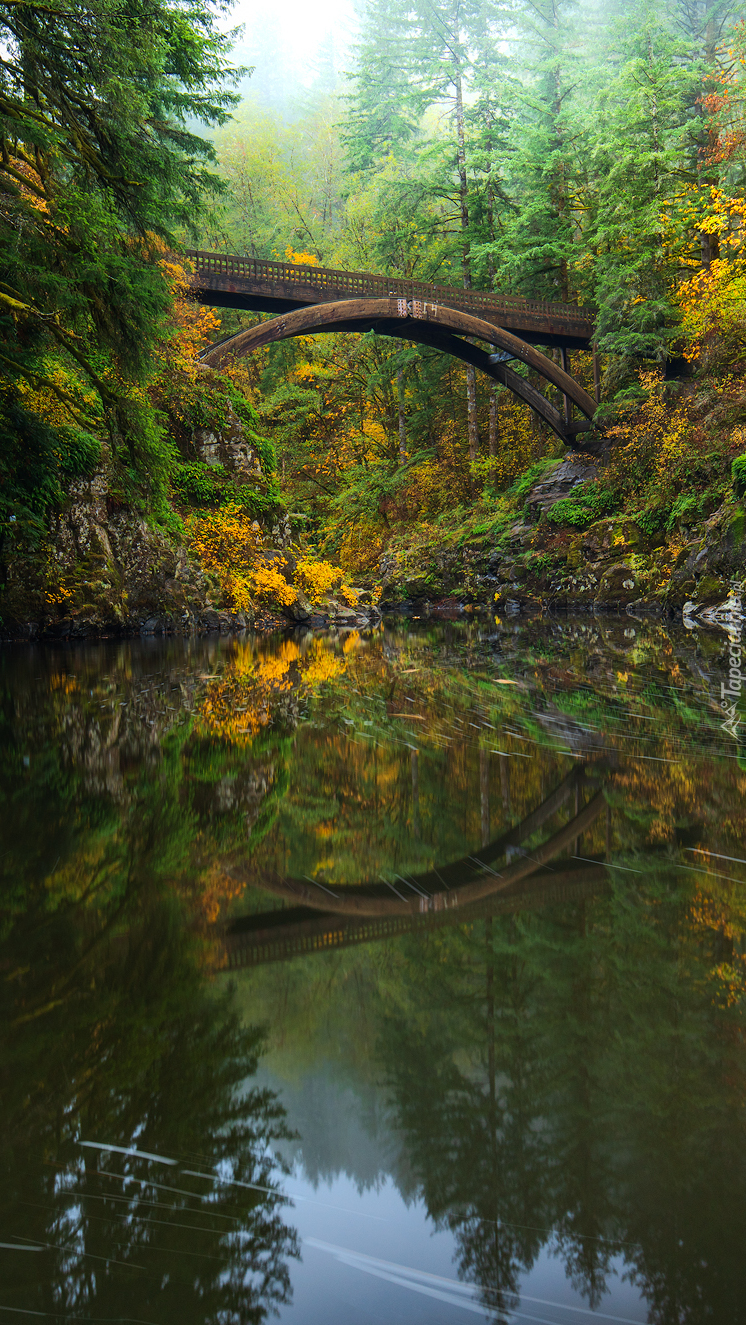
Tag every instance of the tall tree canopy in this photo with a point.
(100, 169)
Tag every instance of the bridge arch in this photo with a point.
(430, 324)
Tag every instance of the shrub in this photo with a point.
(589, 502)
(200, 484)
(230, 548)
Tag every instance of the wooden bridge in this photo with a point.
(314, 300)
(321, 917)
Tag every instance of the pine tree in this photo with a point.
(381, 113)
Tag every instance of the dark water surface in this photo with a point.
(398, 978)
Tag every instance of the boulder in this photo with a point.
(612, 538)
(301, 610)
(559, 482)
(618, 586)
(228, 446)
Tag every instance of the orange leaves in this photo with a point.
(269, 584)
(238, 703)
(322, 665)
(229, 545)
(241, 701)
(303, 258)
(713, 304)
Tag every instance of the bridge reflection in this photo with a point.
(322, 917)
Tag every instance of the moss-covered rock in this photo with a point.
(619, 585)
(612, 538)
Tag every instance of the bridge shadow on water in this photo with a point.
(318, 917)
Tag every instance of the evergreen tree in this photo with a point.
(638, 152)
(100, 170)
(381, 113)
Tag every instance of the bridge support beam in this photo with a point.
(499, 372)
(430, 324)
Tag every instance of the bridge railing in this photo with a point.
(328, 280)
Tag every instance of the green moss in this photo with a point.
(711, 589)
(737, 524)
(589, 502)
(738, 474)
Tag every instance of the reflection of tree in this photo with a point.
(127, 1047)
(109, 778)
(588, 1097)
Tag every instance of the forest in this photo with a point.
(565, 150)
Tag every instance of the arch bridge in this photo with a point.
(315, 300)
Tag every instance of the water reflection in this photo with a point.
(550, 1062)
(123, 1076)
(577, 1083)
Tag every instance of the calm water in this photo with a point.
(397, 978)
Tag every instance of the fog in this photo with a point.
(292, 46)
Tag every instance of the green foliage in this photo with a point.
(738, 474)
(36, 461)
(78, 451)
(652, 520)
(200, 484)
(100, 167)
(685, 510)
(589, 502)
(250, 419)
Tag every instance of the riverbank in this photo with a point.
(652, 525)
(535, 558)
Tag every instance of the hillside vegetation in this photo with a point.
(588, 153)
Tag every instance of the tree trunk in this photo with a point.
(709, 245)
(492, 441)
(463, 188)
(471, 410)
(402, 416)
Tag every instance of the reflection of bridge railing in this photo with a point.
(323, 917)
(297, 931)
(256, 283)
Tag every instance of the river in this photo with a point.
(391, 977)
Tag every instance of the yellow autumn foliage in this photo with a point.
(318, 578)
(229, 545)
(713, 300)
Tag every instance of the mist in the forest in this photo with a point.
(292, 48)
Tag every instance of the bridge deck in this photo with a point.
(227, 281)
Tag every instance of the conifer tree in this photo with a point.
(100, 171)
(381, 114)
(638, 152)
